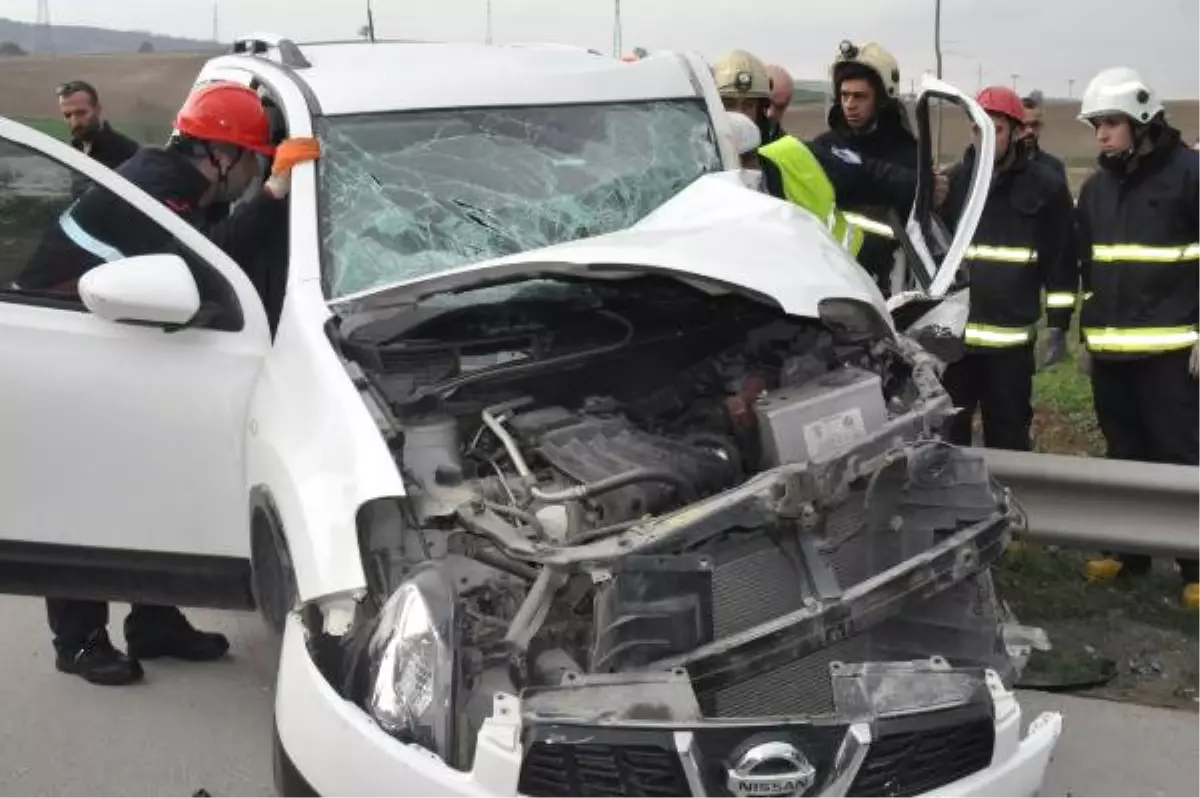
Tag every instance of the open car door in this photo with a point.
(932, 303)
(124, 406)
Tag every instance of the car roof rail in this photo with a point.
(259, 44)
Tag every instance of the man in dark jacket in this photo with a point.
(222, 130)
(79, 103)
(1019, 249)
(1139, 236)
(869, 120)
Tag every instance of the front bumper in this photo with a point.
(328, 746)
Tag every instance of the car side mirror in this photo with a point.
(149, 289)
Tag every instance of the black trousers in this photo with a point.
(72, 621)
(999, 383)
(1148, 411)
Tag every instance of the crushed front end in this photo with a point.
(749, 567)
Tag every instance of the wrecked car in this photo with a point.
(568, 465)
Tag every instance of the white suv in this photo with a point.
(567, 465)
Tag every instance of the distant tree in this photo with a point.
(640, 52)
(364, 32)
(146, 47)
(11, 48)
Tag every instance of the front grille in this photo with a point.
(913, 762)
(588, 769)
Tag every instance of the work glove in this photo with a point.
(1194, 361)
(1055, 349)
(290, 153)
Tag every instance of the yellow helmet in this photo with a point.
(873, 57)
(740, 74)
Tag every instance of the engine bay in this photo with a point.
(643, 477)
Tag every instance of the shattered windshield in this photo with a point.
(409, 194)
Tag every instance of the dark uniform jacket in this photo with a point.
(100, 227)
(109, 147)
(1021, 245)
(855, 180)
(1139, 240)
(890, 140)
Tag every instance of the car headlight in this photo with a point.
(412, 663)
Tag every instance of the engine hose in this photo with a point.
(501, 563)
(514, 452)
(529, 519)
(589, 489)
(599, 533)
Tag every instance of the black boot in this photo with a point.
(97, 661)
(163, 632)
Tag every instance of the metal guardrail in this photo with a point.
(1115, 505)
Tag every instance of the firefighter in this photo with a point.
(1139, 238)
(211, 159)
(1020, 247)
(815, 177)
(869, 119)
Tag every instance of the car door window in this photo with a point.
(45, 245)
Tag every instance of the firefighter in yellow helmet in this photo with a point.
(812, 176)
(869, 119)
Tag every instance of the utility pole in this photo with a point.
(370, 24)
(43, 35)
(979, 79)
(488, 37)
(616, 28)
(215, 31)
(937, 47)
(1070, 88)
(1015, 75)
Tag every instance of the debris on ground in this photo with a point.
(1126, 640)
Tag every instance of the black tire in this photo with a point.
(273, 581)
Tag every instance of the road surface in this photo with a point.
(208, 726)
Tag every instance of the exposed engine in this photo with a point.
(636, 479)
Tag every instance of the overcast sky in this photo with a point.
(1047, 42)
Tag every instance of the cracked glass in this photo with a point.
(415, 193)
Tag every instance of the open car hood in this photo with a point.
(717, 234)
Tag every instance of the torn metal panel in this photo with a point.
(868, 691)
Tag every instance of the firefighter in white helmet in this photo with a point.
(1139, 231)
(869, 119)
(814, 177)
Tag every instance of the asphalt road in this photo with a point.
(208, 726)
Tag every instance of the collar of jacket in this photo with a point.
(101, 132)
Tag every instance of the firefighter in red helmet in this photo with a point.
(1020, 249)
(212, 158)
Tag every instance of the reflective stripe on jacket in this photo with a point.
(806, 184)
(1139, 223)
(1020, 251)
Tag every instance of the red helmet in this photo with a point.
(228, 113)
(1002, 100)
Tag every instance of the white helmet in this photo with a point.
(746, 136)
(1119, 90)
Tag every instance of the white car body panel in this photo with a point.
(715, 230)
(463, 75)
(343, 752)
(125, 437)
(314, 447)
